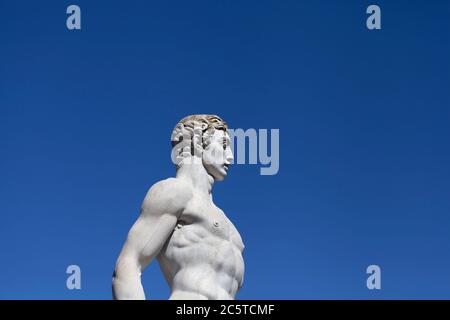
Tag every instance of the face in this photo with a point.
(218, 156)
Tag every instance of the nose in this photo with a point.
(229, 157)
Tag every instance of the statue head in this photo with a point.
(203, 139)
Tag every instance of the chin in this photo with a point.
(219, 176)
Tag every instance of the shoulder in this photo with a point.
(167, 196)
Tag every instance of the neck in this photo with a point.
(197, 175)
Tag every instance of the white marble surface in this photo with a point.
(198, 248)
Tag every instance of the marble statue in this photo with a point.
(198, 248)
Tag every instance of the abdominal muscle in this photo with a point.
(198, 264)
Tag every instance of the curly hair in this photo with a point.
(193, 134)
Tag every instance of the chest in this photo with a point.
(211, 220)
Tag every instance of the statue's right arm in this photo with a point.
(160, 211)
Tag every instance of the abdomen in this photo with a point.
(197, 262)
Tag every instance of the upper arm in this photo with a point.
(160, 211)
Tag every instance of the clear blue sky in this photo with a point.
(364, 119)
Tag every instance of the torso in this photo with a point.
(203, 256)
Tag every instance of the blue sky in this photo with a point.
(86, 117)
